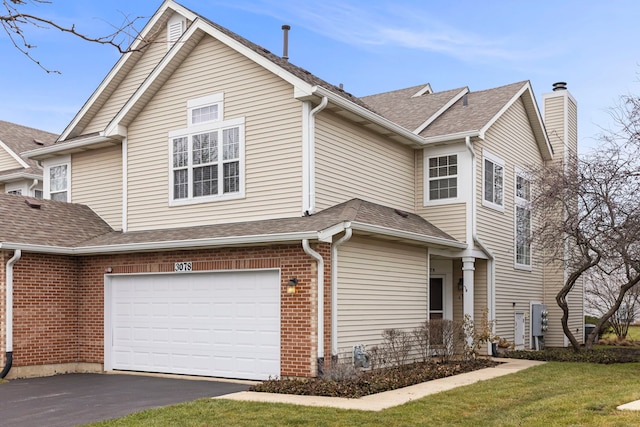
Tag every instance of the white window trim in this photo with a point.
(523, 203)
(48, 164)
(427, 180)
(486, 155)
(215, 99)
(201, 128)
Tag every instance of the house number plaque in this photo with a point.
(182, 266)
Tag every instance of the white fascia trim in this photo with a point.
(407, 235)
(15, 156)
(57, 148)
(444, 108)
(369, 115)
(426, 89)
(168, 4)
(19, 175)
(504, 108)
(452, 137)
(158, 246)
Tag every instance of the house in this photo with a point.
(229, 214)
(19, 175)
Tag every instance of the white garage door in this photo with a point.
(214, 324)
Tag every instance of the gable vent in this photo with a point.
(175, 28)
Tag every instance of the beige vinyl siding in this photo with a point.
(352, 162)
(273, 134)
(555, 114)
(150, 58)
(380, 285)
(450, 218)
(512, 140)
(7, 162)
(96, 181)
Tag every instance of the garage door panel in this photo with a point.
(216, 324)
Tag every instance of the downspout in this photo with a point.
(309, 204)
(334, 287)
(491, 289)
(9, 312)
(36, 181)
(315, 255)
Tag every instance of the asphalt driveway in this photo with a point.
(76, 399)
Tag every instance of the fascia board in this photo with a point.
(144, 33)
(444, 108)
(301, 87)
(452, 137)
(407, 235)
(368, 115)
(13, 154)
(52, 150)
(114, 127)
(19, 175)
(160, 246)
(545, 148)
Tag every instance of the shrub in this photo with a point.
(596, 355)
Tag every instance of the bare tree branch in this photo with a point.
(15, 22)
(589, 216)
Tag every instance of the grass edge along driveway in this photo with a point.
(554, 394)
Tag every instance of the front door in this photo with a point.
(436, 298)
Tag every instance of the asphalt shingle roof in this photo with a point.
(482, 106)
(71, 225)
(401, 107)
(22, 138)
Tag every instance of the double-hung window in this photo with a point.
(523, 221)
(57, 179)
(493, 181)
(443, 177)
(206, 158)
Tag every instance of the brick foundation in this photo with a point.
(59, 301)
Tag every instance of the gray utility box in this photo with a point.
(539, 319)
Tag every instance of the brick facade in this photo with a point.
(59, 300)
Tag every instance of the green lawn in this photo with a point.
(554, 394)
(633, 335)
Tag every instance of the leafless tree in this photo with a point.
(589, 215)
(16, 22)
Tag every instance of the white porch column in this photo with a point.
(468, 268)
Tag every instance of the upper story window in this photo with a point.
(57, 179)
(15, 192)
(443, 177)
(206, 158)
(523, 221)
(493, 181)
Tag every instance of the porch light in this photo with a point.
(291, 287)
(460, 285)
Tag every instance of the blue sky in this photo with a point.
(369, 46)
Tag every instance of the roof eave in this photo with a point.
(405, 135)
(407, 235)
(167, 245)
(124, 60)
(92, 142)
(452, 137)
(16, 176)
(534, 118)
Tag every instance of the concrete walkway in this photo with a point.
(388, 399)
